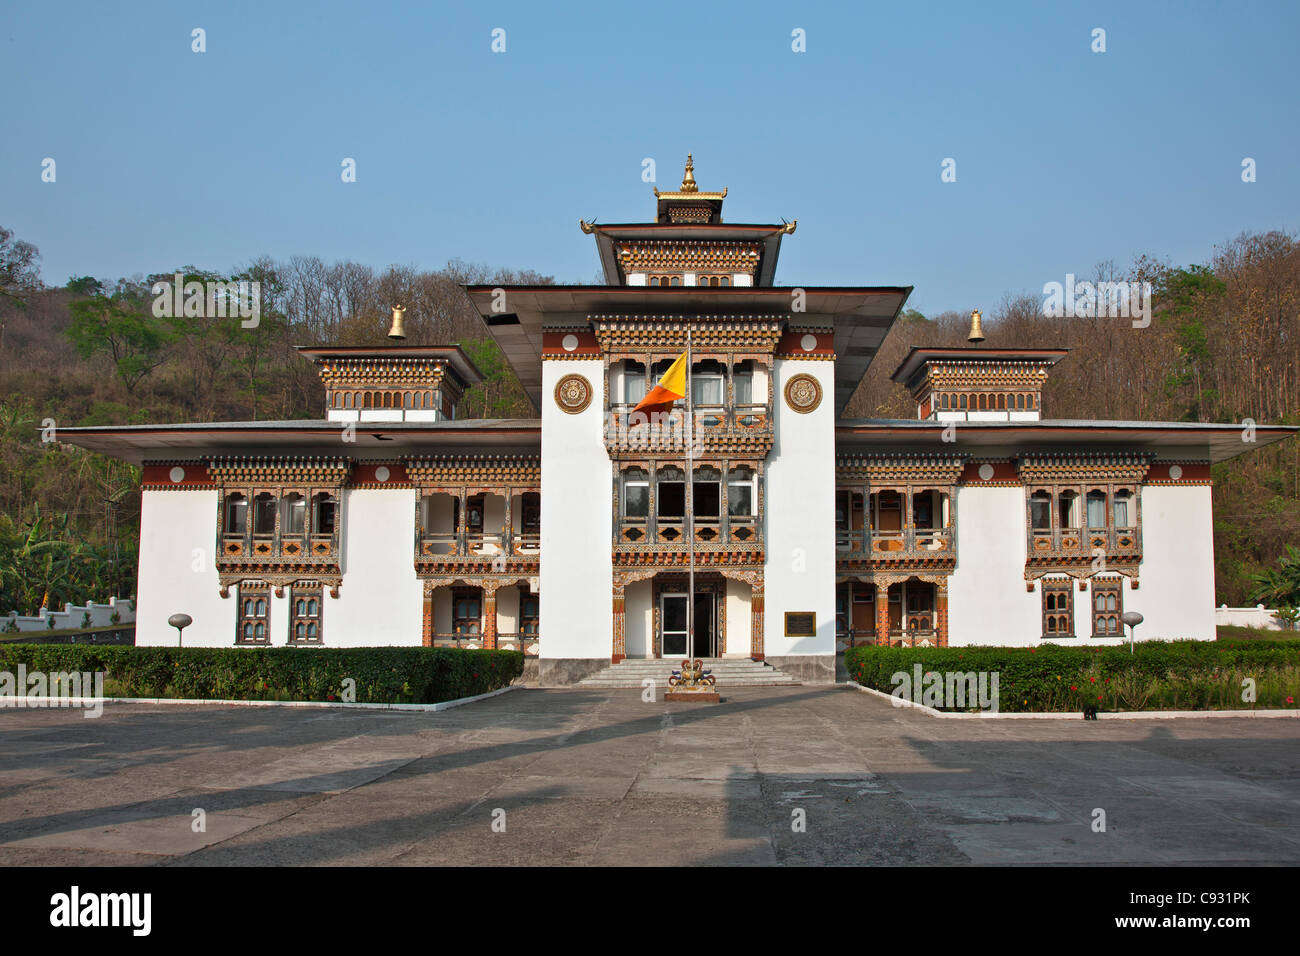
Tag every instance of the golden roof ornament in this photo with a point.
(397, 332)
(689, 188)
(688, 181)
(976, 328)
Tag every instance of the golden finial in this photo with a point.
(688, 181)
(976, 328)
(789, 227)
(397, 332)
(587, 227)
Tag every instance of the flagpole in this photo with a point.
(690, 509)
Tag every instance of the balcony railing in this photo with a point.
(478, 544)
(528, 643)
(712, 424)
(887, 545)
(1082, 541)
(729, 529)
(286, 546)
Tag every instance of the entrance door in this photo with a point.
(672, 615)
(705, 646)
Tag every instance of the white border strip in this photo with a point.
(902, 702)
(56, 703)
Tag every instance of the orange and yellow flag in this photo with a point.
(671, 387)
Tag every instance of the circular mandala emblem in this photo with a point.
(803, 394)
(986, 472)
(1175, 472)
(177, 474)
(573, 393)
(382, 474)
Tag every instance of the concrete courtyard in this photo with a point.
(599, 777)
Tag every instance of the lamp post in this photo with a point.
(180, 622)
(1132, 619)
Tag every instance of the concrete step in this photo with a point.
(726, 671)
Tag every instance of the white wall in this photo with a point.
(174, 525)
(381, 601)
(1257, 616)
(987, 600)
(988, 603)
(1176, 594)
(800, 571)
(638, 608)
(577, 603)
(740, 631)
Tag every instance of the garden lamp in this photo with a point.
(180, 622)
(1132, 619)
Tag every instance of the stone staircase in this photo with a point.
(729, 672)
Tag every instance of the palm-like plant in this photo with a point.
(1280, 585)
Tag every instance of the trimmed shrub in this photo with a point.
(1159, 675)
(383, 675)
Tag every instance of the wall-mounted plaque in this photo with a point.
(800, 623)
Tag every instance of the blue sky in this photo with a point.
(1064, 157)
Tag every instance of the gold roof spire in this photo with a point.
(690, 189)
(688, 181)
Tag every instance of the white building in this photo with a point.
(574, 536)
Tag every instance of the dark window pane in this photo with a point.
(705, 502)
(636, 501)
(672, 499)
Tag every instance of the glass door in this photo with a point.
(672, 617)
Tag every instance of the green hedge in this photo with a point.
(387, 675)
(1175, 675)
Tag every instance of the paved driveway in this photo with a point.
(597, 777)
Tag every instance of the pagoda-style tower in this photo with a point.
(627, 511)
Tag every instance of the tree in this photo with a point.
(121, 327)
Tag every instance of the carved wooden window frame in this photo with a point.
(312, 598)
(244, 616)
(1102, 589)
(1056, 594)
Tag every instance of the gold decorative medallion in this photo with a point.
(573, 394)
(803, 394)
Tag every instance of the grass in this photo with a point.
(1231, 632)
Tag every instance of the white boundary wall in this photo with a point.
(799, 574)
(73, 616)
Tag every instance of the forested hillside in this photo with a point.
(1224, 345)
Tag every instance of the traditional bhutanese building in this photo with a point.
(573, 536)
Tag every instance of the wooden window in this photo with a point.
(962, 399)
(235, 520)
(264, 514)
(528, 613)
(1029, 402)
(1096, 509)
(1107, 606)
(706, 494)
(1067, 509)
(324, 512)
(740, 492)
(254, 621)
(474, 506)
(636, 493)
(1058, 609)
(293, 514)
(1040, 511)
(633, 382)
(1123, 509)
(671, 494)
(466, 611)
(532, 513)
(305, 616)
(742, 384)
(706, 383)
